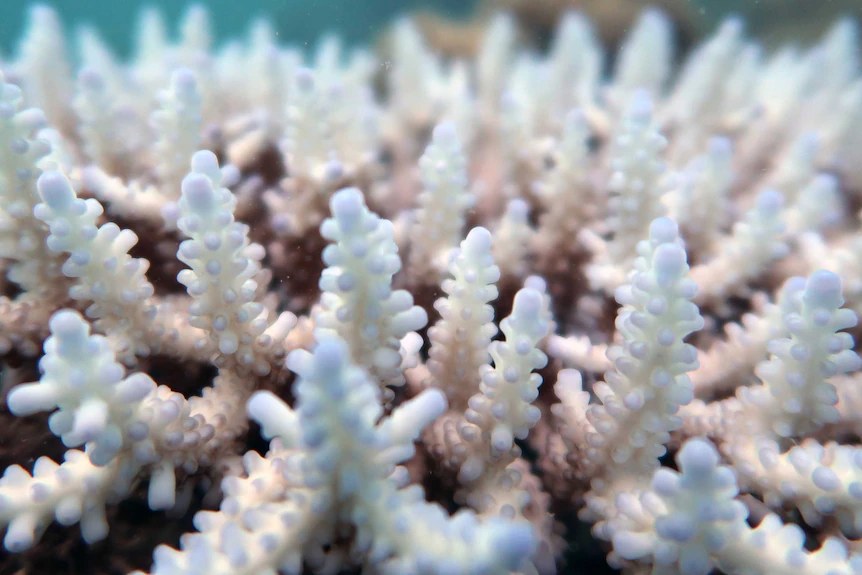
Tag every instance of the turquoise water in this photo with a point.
(360, 21)
(299, 20)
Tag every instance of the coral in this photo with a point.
(640, 292)
(357, 302)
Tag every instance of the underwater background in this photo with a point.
(362, 21)
(299, 20)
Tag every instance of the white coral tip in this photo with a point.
(411, 320)
(198, 191)
(275, 417)
(697, 456)
(204, 162)
(346, 206)
(513, 542)
(329, 357)
(29, 398)
(528, 303)
(478, 241)
(412, 417)
(21, 533)
(412, 342)
(663, 230)
(631, 546)
(135, 388)
(641, 106)
(720, 146)
(569, 382)
(501, 439)
(669, 262)
(823, 289)
(90, 419)
(230, 175)
(68, 324)
(299, 362)
(55, 190)
(162, 490)
(183, 81)
(537, 283)
(444, 132)
(770, 202)
(518, 210)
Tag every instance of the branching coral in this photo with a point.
(357, 301)
(113, 283)
(228, 225)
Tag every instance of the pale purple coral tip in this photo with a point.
(55, 190)
(663, 230)
(477, 241)
(197, 190)
(204, 162)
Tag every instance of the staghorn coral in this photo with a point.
(197, 240)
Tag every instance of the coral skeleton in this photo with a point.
(208, 245)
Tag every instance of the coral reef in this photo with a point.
(462, 300)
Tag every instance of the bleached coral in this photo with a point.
(22, 238)
(494, 61)
(756, 242)
(89, 394)
(222, 270)
(700, 202)
(567, 194)
(44, 68)
(574, 68)
(460, 339)
(112, 283)
(351, 468)
(504, 409)
(691, 521)
(105, 140)
(641, 395)
(796, 395)
(280, 189)
(357, 301)
(636, 187)
(513, 234)
(645, 58)
(129, 428)
(443, 202)
(179, 123)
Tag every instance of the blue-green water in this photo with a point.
(360, 21)
(302, 21)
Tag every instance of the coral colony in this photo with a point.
(302, 201)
